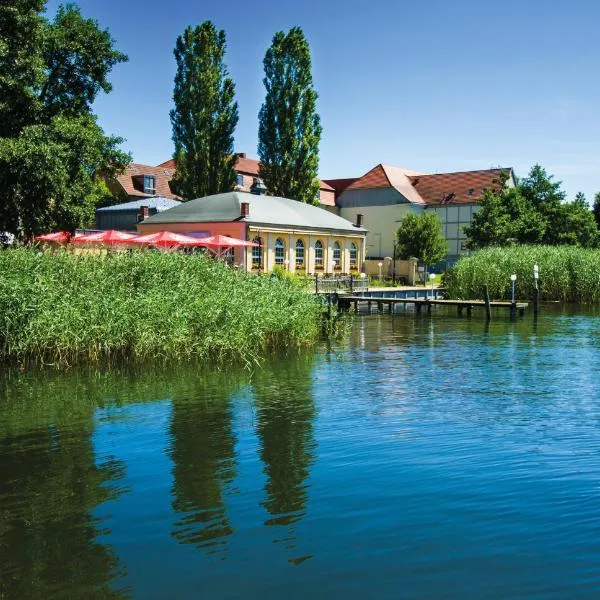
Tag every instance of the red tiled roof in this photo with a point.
(246, 166)
(162, 177)
(465, 187)
(339, 185)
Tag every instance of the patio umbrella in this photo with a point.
(110, 236)
(166, 239)
(59, 237)
(224, 241)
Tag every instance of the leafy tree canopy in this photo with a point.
(289, 128)
(420, 236)
(532, 212)
(52, 151)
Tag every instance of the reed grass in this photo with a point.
(567, 273)
(63, 308)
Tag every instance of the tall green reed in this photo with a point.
(567, 273)
(62, 307)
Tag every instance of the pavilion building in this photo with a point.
(299, 237)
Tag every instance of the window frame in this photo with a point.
(319, 260)
(300, 244)
(281, 246)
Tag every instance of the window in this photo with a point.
(257, 253)
(353, 256)
(149, 184)
(318, 254)
(279, 251)
(471, 191)
(299, 253)
(337, 256)
(239, 179)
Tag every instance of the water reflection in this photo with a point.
(203, 453)
(285, 412)
(50, 484)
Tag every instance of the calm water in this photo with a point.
(424, 458)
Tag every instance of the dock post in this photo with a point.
(429, 307)
(536, 301)
(488, 307)
(418, 307)
(380, 307)
(369, 306)
(469, 310)
(513, 310)
(356, 306)
(390, 307)
(459, 310)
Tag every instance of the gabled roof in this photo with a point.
(465, 187)
(162, 177)
(386, 176)
(263, 210)
(157, 202)
(246, 166)
(339, 185)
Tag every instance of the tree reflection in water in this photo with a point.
(202, 449)
(285, 414)
(50, 485)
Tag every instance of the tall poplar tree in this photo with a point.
(289, 128)
(205, 114)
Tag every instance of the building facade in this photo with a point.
(386, 194)
(298, 237)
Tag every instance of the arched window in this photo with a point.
(257, 253)
(279, 251)
(337, 256)
(353, 256)
(318, 254)
(299, 253)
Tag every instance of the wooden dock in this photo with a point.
(346, 301)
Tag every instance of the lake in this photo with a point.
(423, 457)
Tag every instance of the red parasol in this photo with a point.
(110, 236)
(59, 237)
(224, 241)
(166, 239)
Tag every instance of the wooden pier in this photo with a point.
(346, 301)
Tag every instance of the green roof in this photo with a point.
(263, 210)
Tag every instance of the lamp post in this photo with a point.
(432, 279)
(513, 278)
(380, 264)
(394, 263)
(536, 291)
(363, 276)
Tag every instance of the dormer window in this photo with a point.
(149, 184)
(471, 191)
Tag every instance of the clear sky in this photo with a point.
(437, 86)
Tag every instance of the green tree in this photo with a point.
(596, 208)
(21, 65)
(289, 128)
(546, 198)
(420, 236)
(205, 114)
(54, 154)
(577, 225)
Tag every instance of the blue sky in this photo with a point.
(435, 86)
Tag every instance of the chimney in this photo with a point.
(258, 187)
(244, 209)
(359, 220)
(144, 213)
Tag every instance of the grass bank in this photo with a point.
(567, 273)
(65, 308)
